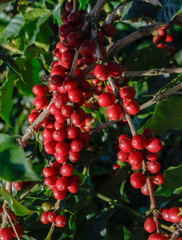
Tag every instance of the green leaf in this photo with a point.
(4, 5)
(167, 116)
(57, 13)
(17, 207)
(6, 102)
(170, 8)
(13, 28)
(14, 165)
(173, 179)
(33, 14)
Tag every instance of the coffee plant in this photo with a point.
(91, 120)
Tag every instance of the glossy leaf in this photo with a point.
(16, 206)
(167, 116)
(57, 13)
(173, 179)
(14, 165)
(33, 14)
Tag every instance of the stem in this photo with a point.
(96, 10)
(115, 13)
(75, 6)
(5, 206)
(26, 192)
(74, 64)
(13, 226)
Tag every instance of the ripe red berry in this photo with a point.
(137, 180)
(122, 156)
(48, 134)
(154, 167)
(58, 70)
(59, 195)
(165, 214)
(115, 69)
(49, 147)
(70, 84)
(60, 158)
(135, 158)
(51, 217)
(49, 171)
(59, 126)
(33, 116)
(50, 181)
(57, 80)
(169, 38)
(150, 225)
(86, 47)
(60, 101)
(74, 156)
(62, 183)
(61, 221)
(78, 116)
(174, 215)
(73, 186)
(40, 102)
(76, 145)
(67, 170)
(109, 30)
(123, 136)
(106, 99)
(65, 29)
(153, 145)
(115, 112)
(101, 72)
(59, 136)
(18, 186)
(40, 89)
(156, 39)
(74, 38)
(151, 156)
(6, 233)
(44, 218)
(126, 146)
(145, 190)
(138, 141)
(131, 106)
(19, 230)
(127, 93)
(158, 179)
(62, 148)
(76, 95)
(161, 32)
(74, 18)
(157, 236)
(148, 133)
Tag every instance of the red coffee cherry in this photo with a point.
(76, 145)
(59, 136)
(74, 18)
(78, 116)
(51, 217)
(150, 225)
(174, 215)
(19, 230)
(60, 158)
(138, 141)
(62, 183)
(145, 190)
(123, 136)
(69, 6)
(127, 93)
(59, 126)
(157, 236)
(70, 84)
(72, 132)
(49, 171)
(101, 72)
(6, 233)
(59, 195)
(154, 167)
(135, 158)
(40, 89)
(76, 95)
(60, 101)
(151, 156)
(122, 156)
(65, 29)
(126, 146)
(44, 218)
(115, 112)
(74, 156)
(33, 116)
(74, 38)
(161, 32)
(115, 69)
(169, 38)
(165, 214)
(50, 181)
(49, 147)
(137, 180)
(40, 102)
(57, 80)
(67, 170)
(86, 47)
(158, 179)
(67, 56)
(61, 221)
(67, 110)
(106, 99)
(48, 134)
(109, 30)
(156, 39)
(18, 186)
(58, 70)
(153, 145)
(73, 186)
(131, 106)
(62, 148)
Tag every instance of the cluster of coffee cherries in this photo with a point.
(142, 148)
(162, 38)
(172, 215)
(7, 233)
(51, 217)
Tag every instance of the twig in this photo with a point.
(176, 234)
(94, 36)
(102, 126)
(5, 206)
(115, 13)
(75, 6)
(96, 10)
(13, 226)
(26, 192)
(45, 78)
(49, 235)
(74, 64)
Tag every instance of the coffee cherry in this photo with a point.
(131, 106)
(44, 218)
(158, 179)
(165, 214)
(65, 29)
(69, 6)
(60, 221)
(101, 72)
(86, 47)
(59, 195)
(115, 112)
(154, 167)
(49, 147)
(70, 84)
(76, 145)
(60, 101)
(33, 116)
(49, 171)
(122, 156)
(66, 170)
(127, 93)
(74, 156)
(73, 186)
(62, 183)
(157, 236)
(18, 186)
(59, 126)
(150, 225)
(169, 38)
(137, 180)
(74, 18)
(50, 181)
(46, 206)
(156, 39)
(6, 233)
(109, 30)
(123, 136)
(48, 134)
(76, 95)
(62, 148)
(106, 99)
(78, 116)
(135, 158)
(161, 32)
(59, 136)
(72, 132)
(40, 102)
(51, 217)
(74, 38)
(153, 145)
(57, 80)
(40, 89)
(58, 70)
(19, 230)
(126, 146)
(145, 190)
(115, 69)
(174, 215)
(151, 156)
(60, 158)
(138, 141)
